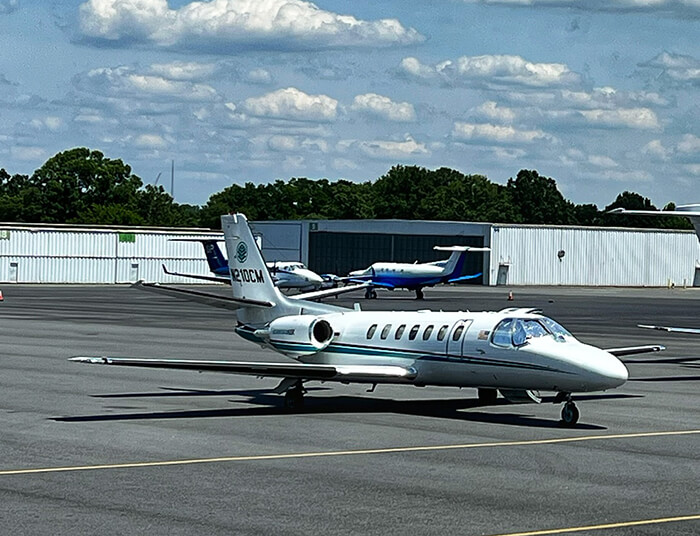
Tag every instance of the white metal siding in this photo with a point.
(46, 255)
(593, 256)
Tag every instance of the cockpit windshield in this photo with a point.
(518, 331)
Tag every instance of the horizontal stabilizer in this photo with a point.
(694, 331)
(372, 283)
(460, 248)
(345, 373)
(632, 350)
(213, 300)
(215, 279)
(464, 278)
(327, 293)
(200, 240)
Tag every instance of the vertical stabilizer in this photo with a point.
(455, 264)
(251, 280)
(215, 258)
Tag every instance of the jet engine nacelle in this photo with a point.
(521, 396)
(299, 335)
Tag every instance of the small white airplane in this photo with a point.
(516, 351)
(391, 275)
(691, 331)
(692, 212)
(285, 274)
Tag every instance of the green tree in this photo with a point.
(538, 199)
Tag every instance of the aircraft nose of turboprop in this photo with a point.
(312, 277)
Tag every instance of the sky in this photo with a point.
(601, 95)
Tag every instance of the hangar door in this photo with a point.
(340, 253)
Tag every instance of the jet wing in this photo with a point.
(225, 302)
(632, 350)
(694, 331)
(216, 279)
(345, 373)
(318, 294)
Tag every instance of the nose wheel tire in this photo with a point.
(569, 414)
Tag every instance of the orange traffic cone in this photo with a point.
(510, 296)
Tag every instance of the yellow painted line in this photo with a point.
(358, 452)
(622, 524)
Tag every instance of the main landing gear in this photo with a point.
(419, 294)
(370, 294)
(294, 397)
(569, 413)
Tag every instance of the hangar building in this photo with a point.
(520, 254)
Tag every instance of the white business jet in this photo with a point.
(516, 351)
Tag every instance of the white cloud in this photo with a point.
(492, 70)
(690, 144)
(693, 169)
(259, 76)
(28, 153)
(491, 110)
(495, 133)
(125, 82)
(627, 176)
(291, 103)
(290, 24)
(386, 149)
(656, 149)
(182, 70)
(675, 8)
(384, 107)
(602, 161)
(637, 118)
(150, 141)
(676, 67)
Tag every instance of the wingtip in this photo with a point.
(90, 360)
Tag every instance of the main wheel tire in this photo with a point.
(569, 414)
(294, 400)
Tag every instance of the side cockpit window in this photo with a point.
(371, 330)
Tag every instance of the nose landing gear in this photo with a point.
(569, 413)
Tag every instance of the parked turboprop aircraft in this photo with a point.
(516, 351)
(285, 274)
(415, 276)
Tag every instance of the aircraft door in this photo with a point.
(455, 341)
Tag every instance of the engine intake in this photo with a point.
(300, 335)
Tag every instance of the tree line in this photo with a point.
(82, 186)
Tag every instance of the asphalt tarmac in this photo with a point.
(113, 450)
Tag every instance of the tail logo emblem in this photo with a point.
(242, 252)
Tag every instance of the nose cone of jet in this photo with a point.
(608, 370)
(615, 371)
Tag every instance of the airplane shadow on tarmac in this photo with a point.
(263, 403)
